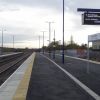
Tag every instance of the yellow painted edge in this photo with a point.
(21, 91)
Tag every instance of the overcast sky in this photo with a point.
(25, 19)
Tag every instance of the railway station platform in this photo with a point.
(15, 87)
(39, 78)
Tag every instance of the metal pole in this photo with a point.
(43, 42)
(63, 36)
(2, 43)
(39, 43)
(49, 32)
(50, 37)
(54, 46)
(88, 57)
(13, 42)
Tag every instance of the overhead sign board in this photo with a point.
(94, 37)
(88, 10)
(91, 18)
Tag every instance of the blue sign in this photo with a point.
(91, 18)
(88, 10)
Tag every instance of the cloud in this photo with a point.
(26, 18)
(74, 4)
(8, 7)
(71, 5)
(50, 4)
(3, 10)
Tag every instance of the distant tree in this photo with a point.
(51, 46)
(83, 46)
(72, 46)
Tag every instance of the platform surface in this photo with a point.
(49, 83)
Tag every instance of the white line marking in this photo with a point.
(95, 62)
(88, 90)
(91, 61)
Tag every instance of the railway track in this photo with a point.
(4, 60)
(7, 68)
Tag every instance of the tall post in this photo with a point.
(43, 42)
(39, 43)
(50, 37)
(54, 46)
(13, 42)
(2, 43)
(2, 30)
(49, 32)
(63, 36)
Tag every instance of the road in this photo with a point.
(48, 82)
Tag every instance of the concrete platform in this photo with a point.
(17, 83)
(49, 82)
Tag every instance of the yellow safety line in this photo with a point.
(21, 91)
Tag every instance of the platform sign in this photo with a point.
(91, 19)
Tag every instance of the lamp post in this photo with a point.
(2, 40)
(43, 40)
(39, 43)
(13, 42)
(63, 35)
(49, 36)
(2, 43)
